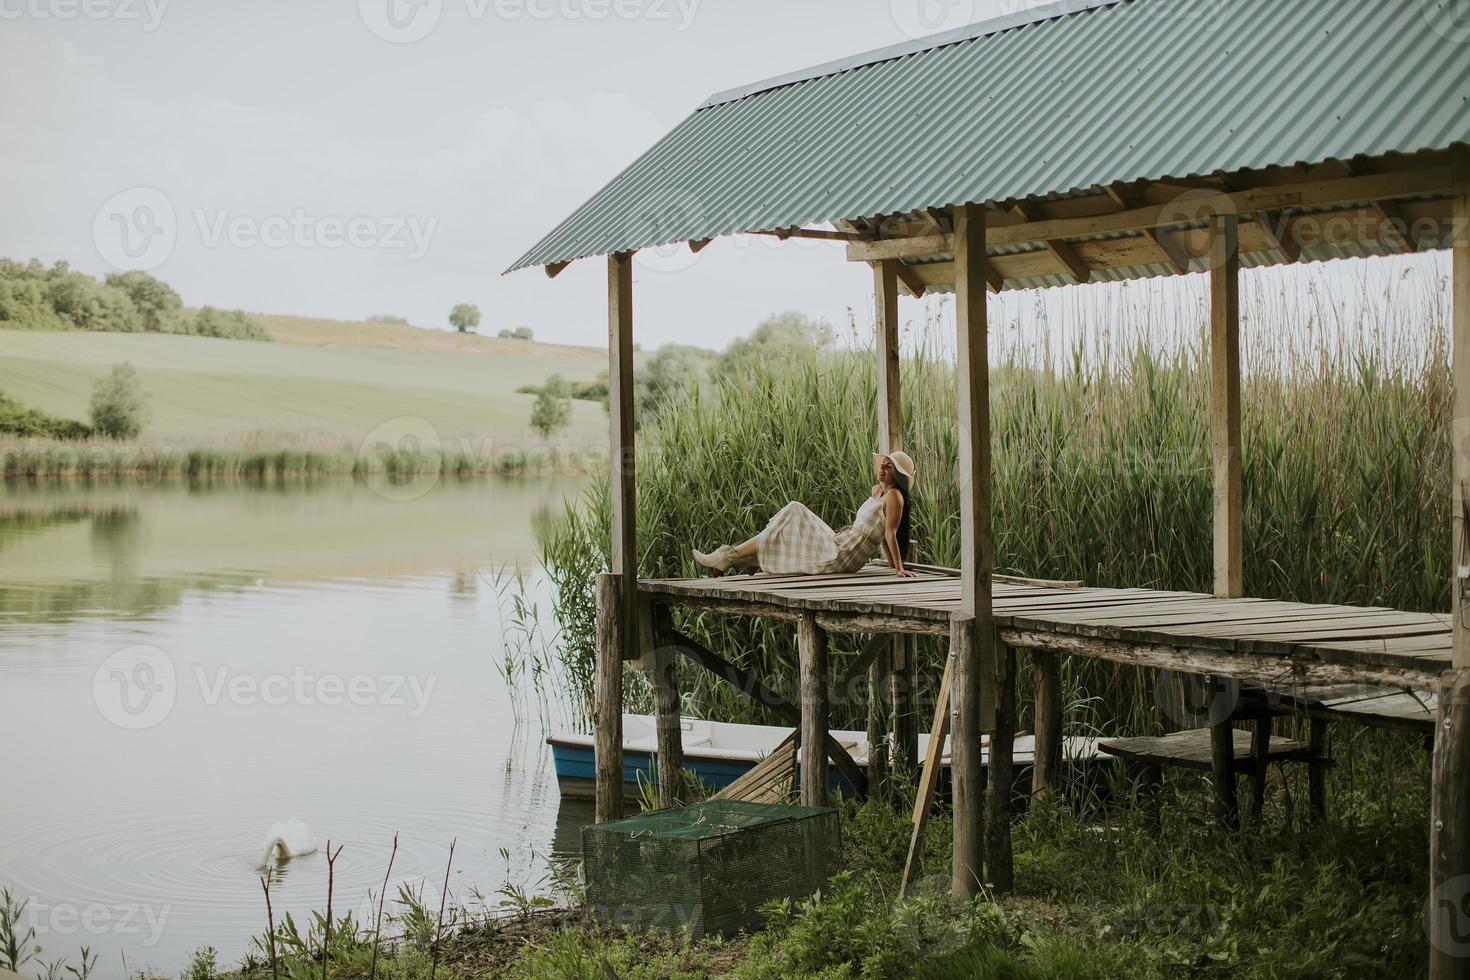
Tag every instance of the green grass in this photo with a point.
(1103, 890)
(239, 394)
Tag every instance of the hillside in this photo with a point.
(307, 332)
(305, 386)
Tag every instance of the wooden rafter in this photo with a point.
(1395, 228)
(1277, 227)
(555, 269)
(819, 234)
(939, 220)
(910, 281)
(1163, 241)
(1143, 218)
(1065, 255)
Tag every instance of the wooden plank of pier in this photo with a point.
(1373, 645)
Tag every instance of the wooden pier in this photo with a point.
(942, 170)
(1328, 662)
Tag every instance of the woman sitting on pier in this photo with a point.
(798, 542)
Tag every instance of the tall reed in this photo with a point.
(1101, 464)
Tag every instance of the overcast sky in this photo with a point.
(345, 158)
(319, 157)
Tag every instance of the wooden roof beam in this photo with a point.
(819, 234)
(910, 281)
(1163, 242)
(555, 269)
(1065, 255)
(1169, 248)
(1139, 220)
(1277, 227)
(1395, 228)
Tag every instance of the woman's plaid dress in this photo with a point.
(798, 542)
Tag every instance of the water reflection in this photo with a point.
(238, 592)
(73, 549)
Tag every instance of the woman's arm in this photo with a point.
(892, 516)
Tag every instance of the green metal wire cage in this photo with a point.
(707, 868)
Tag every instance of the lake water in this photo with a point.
(182, 667)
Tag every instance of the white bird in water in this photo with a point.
(287, 840)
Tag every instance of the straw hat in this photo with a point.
(901, 461)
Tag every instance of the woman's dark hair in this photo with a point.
(901, 483)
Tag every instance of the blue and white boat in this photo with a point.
(721, 752)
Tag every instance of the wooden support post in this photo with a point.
(964, 759)
(1149, 778)
(811, 641)
(1317, 768)
(1225, 406)
(1046, 770)
(607, 703)
(1260, 756)
(617, 594)
(878, 691)
(1449, 808)
(903, 683)
(890, 439)
(890, 402)
(1449, 832)
(972, 632)
(1222, 757)
(1460, 426)
(623, 485)
(1226, 456)
(665, 682)
(1000, 777)
(750, 684)
(929, 777)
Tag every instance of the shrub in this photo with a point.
(227, 324)
(553, 407)
(119, 408)
(16, 419)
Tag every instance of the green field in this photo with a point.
(235, 392)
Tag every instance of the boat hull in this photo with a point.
(718, 753)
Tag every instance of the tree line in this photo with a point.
(35, 297)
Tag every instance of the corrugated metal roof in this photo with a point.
(1122, 91)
